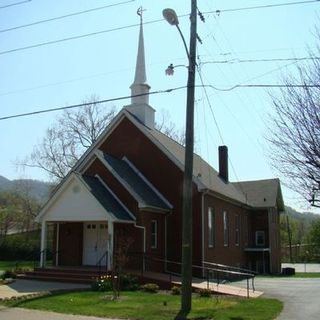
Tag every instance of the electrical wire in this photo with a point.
(89, 103)
(14, 4)
(266, 6)
(236, 60)
(65, 16)
(77, 37)
(160, 92)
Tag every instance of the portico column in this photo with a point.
(43, 244)
(111, 244)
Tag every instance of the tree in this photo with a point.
(167, 127)
(295, 132)
(314, 242)
(74, 132)
(68, 138)
(17, 212)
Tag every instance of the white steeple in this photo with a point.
(140, 89)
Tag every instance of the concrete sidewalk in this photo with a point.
(26, 314)
(28, 287)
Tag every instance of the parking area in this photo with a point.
(300, 296)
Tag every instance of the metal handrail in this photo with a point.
(105, 254)
(248, 275)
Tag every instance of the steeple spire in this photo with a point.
(140, 85)
(140, 89)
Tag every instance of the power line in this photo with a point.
(76, 37)
(236, 60)
(14, 4)
(266, 6)
(160, 92)
(264, 86)
(65, 16)
(89, 103)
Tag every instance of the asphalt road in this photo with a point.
(301, 297)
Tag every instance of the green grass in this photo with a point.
(307, 275)
(297, 275)
(10, 265)
(145, 306)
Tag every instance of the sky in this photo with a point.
(100, 61)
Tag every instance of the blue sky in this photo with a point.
(103, 64)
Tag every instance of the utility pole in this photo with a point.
(186, 289)
(186, 251)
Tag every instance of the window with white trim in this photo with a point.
(211, 227)
(154, 234)
(260, 238)
(225, 229)
(237, 230)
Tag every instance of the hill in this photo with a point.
(36, 189)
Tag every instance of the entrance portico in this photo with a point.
(83, 213)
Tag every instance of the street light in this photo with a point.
(186, 288)
(172, 18)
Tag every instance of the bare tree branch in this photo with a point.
(294, 133)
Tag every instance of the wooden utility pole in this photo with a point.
(186, 290)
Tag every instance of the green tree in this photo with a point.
(314, 242)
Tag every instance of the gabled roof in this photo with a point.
(204, 175)
(146, 195)
(207, 177)
(262, 193)
(107, 199)
(81, 198)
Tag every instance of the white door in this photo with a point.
(95, 243)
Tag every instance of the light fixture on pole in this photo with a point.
(186, 272)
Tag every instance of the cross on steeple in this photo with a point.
(140, 89)
(140, 12)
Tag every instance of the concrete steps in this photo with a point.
(72, 275)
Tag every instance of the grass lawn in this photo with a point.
(9, 265)
(160, 306)
(297, 275)
(307, 275)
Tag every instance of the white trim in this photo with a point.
(54, 197)
(43, 244)
(154, 189)
(144, 244)
(154, 222)
(110, 216)
(202, 236)
(57, 243)
(114, 195)
(116, 175)
(141, 203)
(211, 227)
(226, 228)
(262, 232)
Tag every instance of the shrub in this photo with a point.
(150, 287)
(8, 274)
(102, 283)
(176, 290)
(204, 293)
(129, 283)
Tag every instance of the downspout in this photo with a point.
(144, 244)
(202, 230)
(270, 240)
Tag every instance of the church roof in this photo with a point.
(132, 179)
(106, 198)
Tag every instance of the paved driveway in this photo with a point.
(300, 296)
